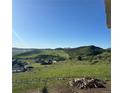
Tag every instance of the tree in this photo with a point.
(79, 58)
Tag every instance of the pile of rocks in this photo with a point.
(87, 82)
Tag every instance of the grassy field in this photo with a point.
(66, 69)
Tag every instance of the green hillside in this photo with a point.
(79, 53)
(16, 51)
(45, 54)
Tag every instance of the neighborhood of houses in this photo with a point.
(19, 66)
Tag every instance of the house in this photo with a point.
(18, 66)
(48, 62)
(45, 63)
(54, 61)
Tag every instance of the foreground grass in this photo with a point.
(34, 79)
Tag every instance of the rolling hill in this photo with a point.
(82, 53)
(16, 51)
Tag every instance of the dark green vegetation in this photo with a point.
(71, 63)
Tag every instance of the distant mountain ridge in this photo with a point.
(16, 51)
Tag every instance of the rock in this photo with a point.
(84, 83)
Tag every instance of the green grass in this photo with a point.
(61, 69)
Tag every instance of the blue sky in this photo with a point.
(59, 23)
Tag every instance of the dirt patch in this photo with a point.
(65, 88)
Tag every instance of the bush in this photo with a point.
(79, 58)
(44, 90)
